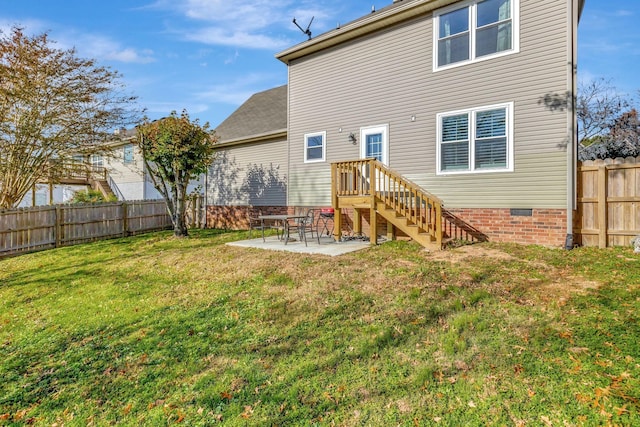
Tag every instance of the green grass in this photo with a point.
(153, 330)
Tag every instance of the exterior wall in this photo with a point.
(544, 227)
(386, 78)
(237, 217)
(128, 178)
(62, 193)
(249, 174)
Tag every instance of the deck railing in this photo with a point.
(370, 178)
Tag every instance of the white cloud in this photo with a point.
(244, 23)
(229, 37)
(238, 91)
(232, 59)
(162, 109)
(107, 49)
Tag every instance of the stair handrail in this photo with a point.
(421, 208)
(114, 187)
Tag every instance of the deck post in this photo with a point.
(373, 217)
(337, 212)
(439, 225)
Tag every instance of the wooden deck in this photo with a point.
(368, 185)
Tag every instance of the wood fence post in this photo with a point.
(58, 226)
(125, 219)
(602, 206)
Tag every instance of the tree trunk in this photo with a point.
(178, 217)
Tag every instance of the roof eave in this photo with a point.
(280, 133)
(363, 26)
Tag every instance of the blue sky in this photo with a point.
(209, 56)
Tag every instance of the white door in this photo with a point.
(374, 142)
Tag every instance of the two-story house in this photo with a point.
(468, 101)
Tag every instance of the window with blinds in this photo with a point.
(476, 140)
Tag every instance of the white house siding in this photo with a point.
(249, 174)
(128, 178)
(387, 78)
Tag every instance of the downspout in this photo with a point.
(572, 143)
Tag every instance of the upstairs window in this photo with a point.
(476, 140)
(478, 30)
(314, 147)
(127, 154)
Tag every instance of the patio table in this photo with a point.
(283, 219)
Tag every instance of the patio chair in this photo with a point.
(255, 223)
(302, 226)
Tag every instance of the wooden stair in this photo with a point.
(368, 185)
(102, 185)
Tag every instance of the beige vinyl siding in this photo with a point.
(387, 78)
(251, 173)
(127, 177)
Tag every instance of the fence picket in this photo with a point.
(608, 210)
(45, 227)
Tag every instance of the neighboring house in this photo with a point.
(121, 172)
(468, 100)
(126, 171)
(251, 167)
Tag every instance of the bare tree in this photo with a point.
(53, 106)
(175, 151)
(599, 104)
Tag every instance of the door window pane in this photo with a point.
(374, 146)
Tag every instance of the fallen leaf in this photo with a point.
(471, 404)
(546, 420)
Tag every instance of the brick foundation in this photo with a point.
(544, 226)
(237, 217)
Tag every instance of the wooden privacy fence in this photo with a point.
(608, 211)
(45, 227)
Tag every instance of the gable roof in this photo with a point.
(262, 116)
(398, 11)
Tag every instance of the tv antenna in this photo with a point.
(307, 31)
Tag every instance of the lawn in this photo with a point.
(152, 330)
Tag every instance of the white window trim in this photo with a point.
(515, 28)
(472, 138)
(124, 154)
(324, 146)
(384, 130)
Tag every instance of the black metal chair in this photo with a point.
(302, 226)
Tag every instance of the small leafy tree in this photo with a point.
(53, 106)
(176, 150)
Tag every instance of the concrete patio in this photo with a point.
(327, 245)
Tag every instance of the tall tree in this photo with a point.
(599, 104)
(176, 150)
(53, 106)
